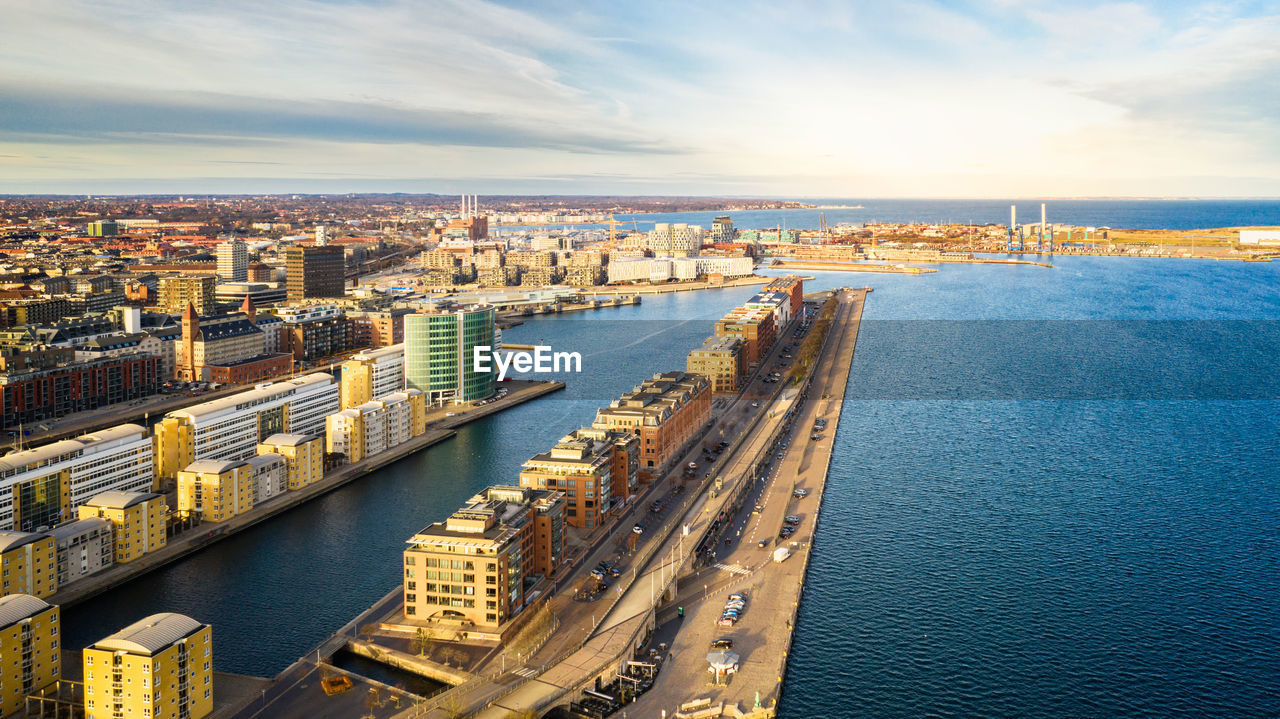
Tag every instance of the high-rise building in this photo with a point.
(160, 667)
(232, 427)
(678, 240)
(29, 643)
(178, 292)
(138, 519)
(476, 566)
(103, 228)
(314, 271)
(722, 229)
(439, 354)
(43, 486)
(233, 261)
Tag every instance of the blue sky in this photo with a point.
(1003, 98)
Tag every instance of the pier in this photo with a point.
(675, 573)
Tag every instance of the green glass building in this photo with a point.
(438, 356)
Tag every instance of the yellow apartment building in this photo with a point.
(160, 667)
(371, 374)
(137, 517)
(303, 455)
(28, 647)
(215, 490)
(28, 564)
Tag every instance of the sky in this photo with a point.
(995, 98)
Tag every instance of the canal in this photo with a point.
(273, 592)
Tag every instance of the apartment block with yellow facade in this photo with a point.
(28, 564)
(372, 374)
(303, 456)
(138, 518)
(232, 427)
(29, 649)
(160, 667)
(376, 426)
(471, 573)
(215, 490)
(43, 486)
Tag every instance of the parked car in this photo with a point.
(722, 643)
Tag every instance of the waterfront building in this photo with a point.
(473, 572)
(232, 427)
(722, 229)
(160, 667)
(303, 457)
(793, 286)
(270, 474)
(778, 303)
(30, 646)
(665, 411)
(439, 354)
(675, 240)
(233, 261)
(215, 490)
(84, 546)
(315, 272)
(582, 465)
(722, 360)
(35, 310)
(43, 486)
(585, 276)
(30, 561)
(371, 374)
(375, 426)
(177, 293)
(137, 521)
(754, 327)
(53, 390)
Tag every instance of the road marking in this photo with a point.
(526, 672)
(733, 569)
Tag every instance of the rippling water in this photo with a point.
(1000, 547)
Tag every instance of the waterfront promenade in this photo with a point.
(441, 427)
(627, 622)
(762, 637)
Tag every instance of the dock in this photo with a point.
(204, 535)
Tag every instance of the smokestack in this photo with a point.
(464, 206)
(475, 202)
(1013, 219)
(1043, 229)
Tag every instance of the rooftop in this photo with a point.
(50, 453)
(289, 440)
(213, 466)
(12, 540)
(16, 607)
(150, 635)
(117, 499)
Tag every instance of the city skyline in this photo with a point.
(823, 100)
